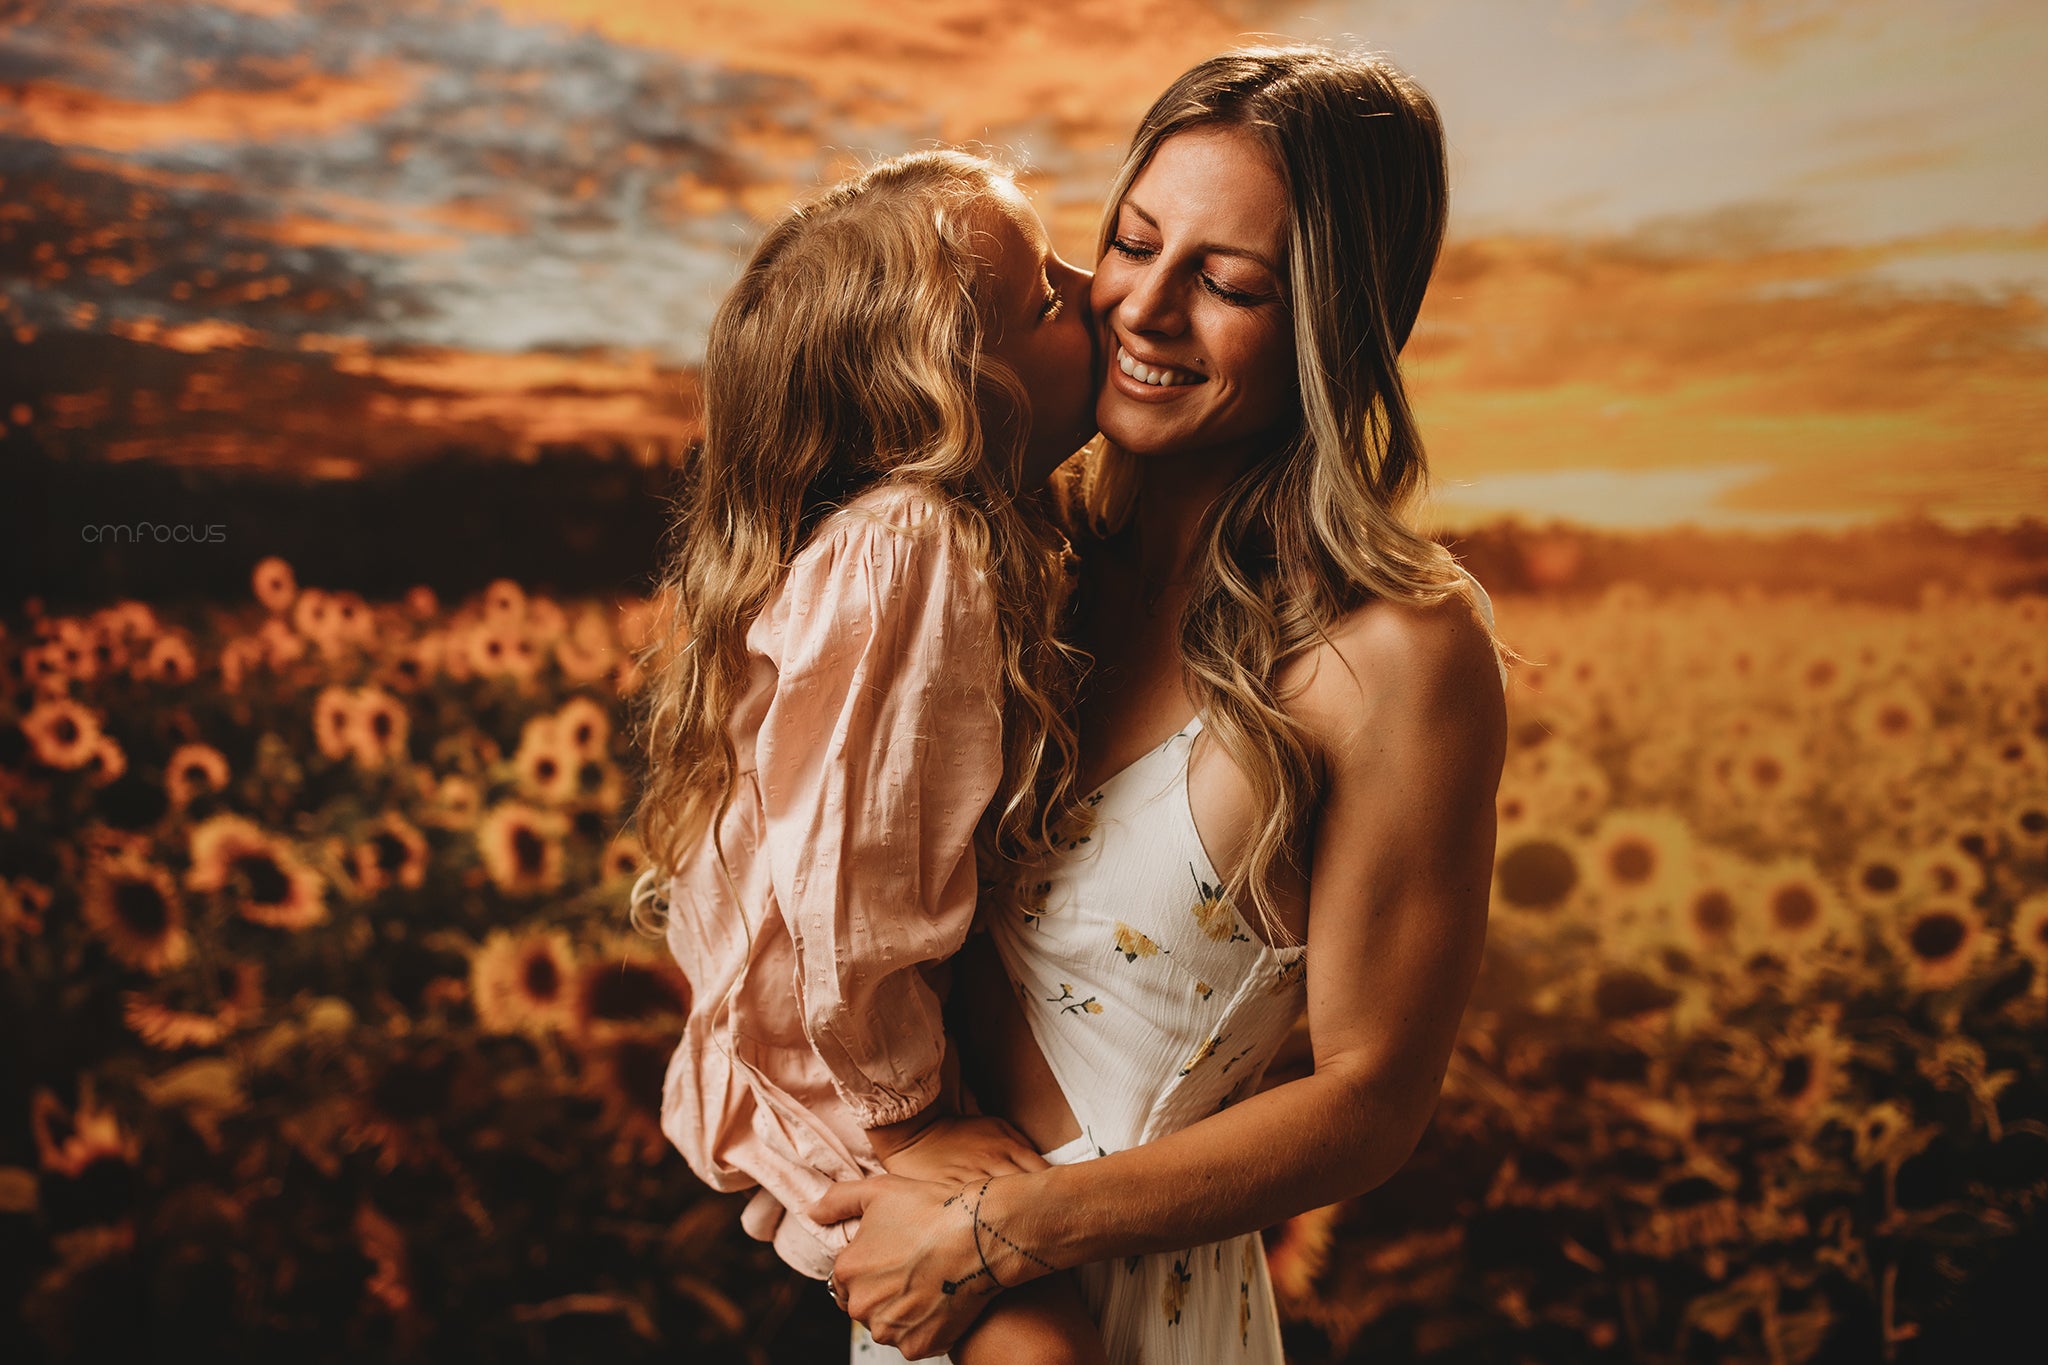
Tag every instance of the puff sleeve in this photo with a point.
(879, 752)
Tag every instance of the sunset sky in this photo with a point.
(1722, 261)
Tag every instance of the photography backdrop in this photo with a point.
(346, 359)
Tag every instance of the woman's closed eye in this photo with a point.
(1236, 297)
(1230, 294)
(1054, 302)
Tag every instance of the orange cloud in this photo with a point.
(314, 103)
(1088, 67)
(1829, 393)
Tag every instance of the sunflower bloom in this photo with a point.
(1938, 942)
(585, 726)
(2030, 934)
(1800, 911)
(272, 885)
(334, 722)
(504, 603)
(282, 646)
(275, 585)
(520, 983)
(624, 860)
(381, 728)
(170, 660)
(456, 803)
(1877, 880)
(132, 907)
(194, 770)
(521, 848)
(628, 990)
(1717, 914)
(546, 763)
(62, 733)
(1944, 873)
(395, 855)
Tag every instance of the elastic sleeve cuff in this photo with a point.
(884, 1106)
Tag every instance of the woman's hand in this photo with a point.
(913, 1275)
(953, 1150)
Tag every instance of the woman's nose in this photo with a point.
(1151, 304)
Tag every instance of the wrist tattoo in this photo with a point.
(981, 1225)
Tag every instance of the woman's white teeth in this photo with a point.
(1145, 374)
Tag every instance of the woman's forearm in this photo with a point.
(1299, 1146)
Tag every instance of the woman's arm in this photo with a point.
(1407, 709)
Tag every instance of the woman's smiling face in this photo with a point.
(1191, 302)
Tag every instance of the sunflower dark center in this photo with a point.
(1893, 720)
(1794, 907)
(141, 907)
(1713, 912)
(545, 770)
(2034, 821)
(542, 979)
(66, 730)
(1795, 1078)
(266, 881)
(1936, 935)
(1537, 875)
(390, 849)
(380, 725)
(1880, 879)
(1633, 861)
(529, 851)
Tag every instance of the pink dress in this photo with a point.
(869, 742)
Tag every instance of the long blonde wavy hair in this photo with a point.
(850, 352)
(1321, 523)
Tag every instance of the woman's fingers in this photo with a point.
(846, 1199)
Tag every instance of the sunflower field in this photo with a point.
(328, 1035)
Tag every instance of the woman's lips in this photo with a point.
(1140, 379)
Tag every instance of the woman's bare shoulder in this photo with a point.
(1389, 663)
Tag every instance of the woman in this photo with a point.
(1263, 260)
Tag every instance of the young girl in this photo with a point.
(858, 699)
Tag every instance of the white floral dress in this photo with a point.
(1155, 1006)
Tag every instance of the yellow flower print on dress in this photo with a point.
(1204, 989)
(1176, 1295)
(1213, 914)
(1202, 1053)
(1133, 944)
(1069, 1003)
(1288, 974)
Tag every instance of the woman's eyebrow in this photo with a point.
(1212, 248)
